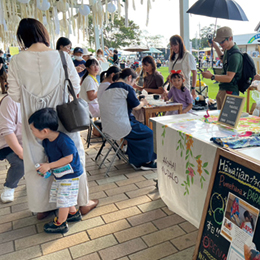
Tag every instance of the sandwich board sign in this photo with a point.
(231, 110)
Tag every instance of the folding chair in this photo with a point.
(118, 152)
(113, 144)
(90, 130)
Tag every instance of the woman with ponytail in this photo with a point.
(89, 86)
(106, 78)
(116, 104)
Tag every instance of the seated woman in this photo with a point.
(11, 145)
(116, 104)
(153, 80)
(106, 78)
(89, 86)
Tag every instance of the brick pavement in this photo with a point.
(131, 222)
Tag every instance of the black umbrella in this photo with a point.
(226, 9)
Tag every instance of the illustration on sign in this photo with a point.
(193, 162)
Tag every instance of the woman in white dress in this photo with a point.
(36, 80)
(181, 59)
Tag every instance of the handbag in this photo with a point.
(74, 115)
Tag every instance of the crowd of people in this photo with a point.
(30, 132)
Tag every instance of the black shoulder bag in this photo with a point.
(74, 115)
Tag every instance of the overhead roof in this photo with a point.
(247, 39)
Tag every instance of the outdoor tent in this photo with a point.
(152, 50)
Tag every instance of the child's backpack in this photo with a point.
(248, 71)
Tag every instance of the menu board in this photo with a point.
(230, 229)
(231, 110)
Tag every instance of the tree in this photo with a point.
(204, 33)
(151, 40)
(116, 35)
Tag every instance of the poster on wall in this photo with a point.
(230, 227)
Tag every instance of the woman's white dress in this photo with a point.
(186, 65)
(36, 80)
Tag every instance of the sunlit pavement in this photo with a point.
(130, 222)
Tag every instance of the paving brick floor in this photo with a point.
(130, 222)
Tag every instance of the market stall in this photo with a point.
(185, 158)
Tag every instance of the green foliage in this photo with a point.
(149, 40)
(202, 41)
(116, 35)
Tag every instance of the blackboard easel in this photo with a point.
(222, 186)
(231, 110)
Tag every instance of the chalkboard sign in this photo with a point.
(231, 110)
(230, 224)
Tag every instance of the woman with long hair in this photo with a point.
(181, 59)
(153, 80)
(116, 105)
(36, 80)
(89, 86)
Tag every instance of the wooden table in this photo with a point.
(150, 111)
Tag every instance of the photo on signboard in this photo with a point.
(239, 225)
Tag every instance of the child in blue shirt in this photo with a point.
(63, 162)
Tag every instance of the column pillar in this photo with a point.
(184, 23)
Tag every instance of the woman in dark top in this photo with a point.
(153, 80)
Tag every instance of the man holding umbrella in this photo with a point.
(232, 65)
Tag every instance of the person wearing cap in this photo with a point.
(232, 65)
(86, 55)
(79, 62)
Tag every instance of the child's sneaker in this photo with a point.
(7, 195)
(74, 217)
(53, 227)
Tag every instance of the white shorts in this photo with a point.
(65, 192)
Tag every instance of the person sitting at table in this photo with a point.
(116, 104)
(89, 86)
(153, 80)
(179, 93)
(106, 78)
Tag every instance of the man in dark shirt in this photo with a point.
(232, 65)
(3, 75)
(79, 62)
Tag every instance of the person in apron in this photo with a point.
(181, 59)
(36, 80)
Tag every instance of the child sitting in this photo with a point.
(179, 93)
(64, 163)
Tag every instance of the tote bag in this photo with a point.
(74, 115)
